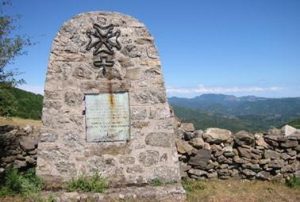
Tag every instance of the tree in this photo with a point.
(11, 46)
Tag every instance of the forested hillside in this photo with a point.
(237, 113)
(20, 103)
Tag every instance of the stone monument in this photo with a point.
(105, 108)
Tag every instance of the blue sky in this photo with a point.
(239, 47)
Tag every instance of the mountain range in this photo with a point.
(236, 113)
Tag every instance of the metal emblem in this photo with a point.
(103, 40)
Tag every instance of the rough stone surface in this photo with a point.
(216, 135)
(77, 68)
(288, 130)
(168, 193)
(263, 156)
(244, 138)
(183, 147)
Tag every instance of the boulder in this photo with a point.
(288, 130)
(197, 142)
(289, 144)
(197, 172)
(201, 159)
(248, 173)
(270, 154)
(28, 143)
(260, 141)
(244, 138)
(188, 136)
(187, 127)
(263, 175)
(275, 132)
(228, 151)
(198, 133)
(217, 135)
(183, 147)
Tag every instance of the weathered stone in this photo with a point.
(274, 132)
(254, 167)
(19, 164)
(212, 175)
(244, 152)
(135, 169)
(228, 151)
(149, 158)
(127, 160)
(260, 141)
(289, 144)
(276, 164)
(28, 143)
(48, 137)
(188, 135)
(244, 138)
(187, 127)
(197, 172)
(198, 133)
(288, 130)
(248, 173)
(159, 139)
(197, 142)
(272, 140)
(183, 147)
(201, 158)
(263, 175)
(217, 136)
(270, 154)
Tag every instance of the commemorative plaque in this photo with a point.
(107, 117)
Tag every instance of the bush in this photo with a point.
(95, 183)
(294, 182)
(15, 182)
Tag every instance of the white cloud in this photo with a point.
(201, 89)
(33, 89)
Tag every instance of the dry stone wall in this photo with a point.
(218, 153)
(18, 147)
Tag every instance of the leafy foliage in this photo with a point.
(13, 182)
(11, 46)
(20, 103)
(95, 183)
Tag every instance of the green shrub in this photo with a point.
(15, 182)
(95, 183)
(294, 182)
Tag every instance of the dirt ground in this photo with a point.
(240, 191)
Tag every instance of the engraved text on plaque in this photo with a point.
(107, 117)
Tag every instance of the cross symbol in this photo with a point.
(103, 63)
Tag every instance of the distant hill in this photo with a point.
(19, 103)
(236, 113)
(295, 123)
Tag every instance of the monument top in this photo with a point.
(105, 108)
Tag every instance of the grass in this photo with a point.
(294, 182)
(95, 183)
(14, 182)
(19, 121)
(239, 190)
